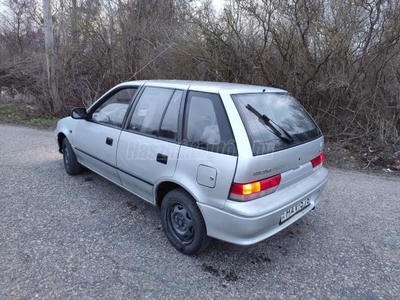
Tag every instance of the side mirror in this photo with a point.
(78, 113)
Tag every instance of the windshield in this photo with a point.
(284, 111)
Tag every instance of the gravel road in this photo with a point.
(81, 237)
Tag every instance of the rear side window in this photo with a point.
(206, 124)
(285, 113)
(157, 112)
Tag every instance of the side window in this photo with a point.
(207, 125)
(150, 112)
(169, 125)
(113, 110)
(202, 120)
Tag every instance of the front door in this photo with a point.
(97, 138)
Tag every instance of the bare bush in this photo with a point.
(341, 59)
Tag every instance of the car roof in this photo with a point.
(207, 86)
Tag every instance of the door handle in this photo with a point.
(161, 158)
(109, 141)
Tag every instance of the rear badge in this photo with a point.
(257, 173)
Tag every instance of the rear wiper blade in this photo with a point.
(271, 125)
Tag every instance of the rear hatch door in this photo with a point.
(284, 138)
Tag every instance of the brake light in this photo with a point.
(318, 160)
(253, 190)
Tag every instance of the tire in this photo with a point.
(71, 165)
(183, 222)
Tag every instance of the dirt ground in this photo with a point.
(384, 160)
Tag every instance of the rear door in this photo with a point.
(208, 155)
(96, 139)
(148, 148)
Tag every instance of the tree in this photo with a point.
(50, 54)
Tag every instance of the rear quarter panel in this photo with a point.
(187, 172)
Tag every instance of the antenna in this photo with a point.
(158, 55)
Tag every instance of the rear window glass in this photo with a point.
(285, 113)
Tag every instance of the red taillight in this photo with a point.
(253, 190)
(318, 160)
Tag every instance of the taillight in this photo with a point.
(318, 160)
(253, 190)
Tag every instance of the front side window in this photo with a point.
(287, 118)
(113, 110)
(206, 124)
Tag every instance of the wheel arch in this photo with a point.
(166, 186)
(60, 137)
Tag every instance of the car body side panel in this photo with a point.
(66, 127)
(191, 164)
(137, 157)
(137, 186)
(96, 147)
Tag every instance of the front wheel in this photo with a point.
(71, 164)
(183, 223)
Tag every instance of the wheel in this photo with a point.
(183, 223)
(71, 165)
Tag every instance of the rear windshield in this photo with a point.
(285, 113)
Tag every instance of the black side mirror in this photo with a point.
(78, 113)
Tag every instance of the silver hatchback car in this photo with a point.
(233, 162)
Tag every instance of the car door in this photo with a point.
(148, 148)
(208, 154)
(96, 138)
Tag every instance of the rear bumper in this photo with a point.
(246, 223)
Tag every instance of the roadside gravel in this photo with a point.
(81, 237)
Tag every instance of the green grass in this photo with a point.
(42, 122)
(9, 114)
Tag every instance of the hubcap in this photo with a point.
(181, 222)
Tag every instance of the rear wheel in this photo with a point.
(183, 223)
(71, 164)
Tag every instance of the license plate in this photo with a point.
(291, 211)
